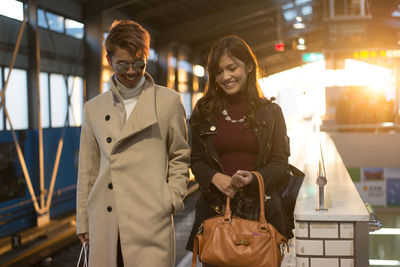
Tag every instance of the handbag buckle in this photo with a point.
(242, 243)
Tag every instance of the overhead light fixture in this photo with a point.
(198, 70)
(299, 44)
(299, 23)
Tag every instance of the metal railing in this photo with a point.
(374, 222)
(321, 182)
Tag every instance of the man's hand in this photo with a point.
(224, 184)
(241, 178)
(84, 238)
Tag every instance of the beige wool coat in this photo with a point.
(132, 176)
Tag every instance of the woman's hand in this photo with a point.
(84, 238)
(241, 178)
(224, 184)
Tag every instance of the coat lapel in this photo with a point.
(143, 115)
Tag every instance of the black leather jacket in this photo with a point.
(272, 163)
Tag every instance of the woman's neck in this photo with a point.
(238, 98)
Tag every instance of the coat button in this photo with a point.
(109, 139)
(107, 117)
(109, 208)
(110, 186)
(213, 128)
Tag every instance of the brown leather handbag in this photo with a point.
(235, 242)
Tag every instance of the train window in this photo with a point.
(12, 9)
(75, 90)
(58, 100)
(17, 99)
(44, 99)
(74, 28)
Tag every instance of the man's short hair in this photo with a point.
(129, 35)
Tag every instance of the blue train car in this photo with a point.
(16, 206)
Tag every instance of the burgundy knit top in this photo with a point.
(237, 147)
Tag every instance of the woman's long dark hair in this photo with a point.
(212, 102)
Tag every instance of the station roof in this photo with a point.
(262, 23)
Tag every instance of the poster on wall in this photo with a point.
(393, 186)
(377, 185)
(372, 186)
(372, 192)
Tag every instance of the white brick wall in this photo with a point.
(309, 247)
(302, 262)
(346, 230)
(324, 230)
(324, 244)
(346, 263)
(339, 247)
(301, 229)
(324, 262)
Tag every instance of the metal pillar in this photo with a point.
(93, 55)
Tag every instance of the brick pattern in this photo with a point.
(328, 244)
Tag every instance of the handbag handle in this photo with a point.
(262, 220)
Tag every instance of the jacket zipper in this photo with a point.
(205, 146)
(270, 137)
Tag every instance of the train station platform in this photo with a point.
(336, 234)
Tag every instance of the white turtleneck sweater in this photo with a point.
(130, 96)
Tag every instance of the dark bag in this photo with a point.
(289, 193)
(236, 242)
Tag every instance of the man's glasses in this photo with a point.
(138, 66)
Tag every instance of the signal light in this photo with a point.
(279, 47)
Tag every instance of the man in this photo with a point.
(133, 161)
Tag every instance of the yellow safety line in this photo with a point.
(39, 247)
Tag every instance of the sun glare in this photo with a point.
(12, 9)
(301, 90)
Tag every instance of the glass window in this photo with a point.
(288, 6)
(106, 87)
(56, 22)
(74, 28)
(172, 62)
(290, 15)
(307, 10)
(58, 100)
(41, 19)
(12, 9)
(17, 99)
(44, 99)
(75, 91)
(153, 55)
(184, 65)
(187, 103)
(300, 2)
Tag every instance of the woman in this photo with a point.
(235, 130)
